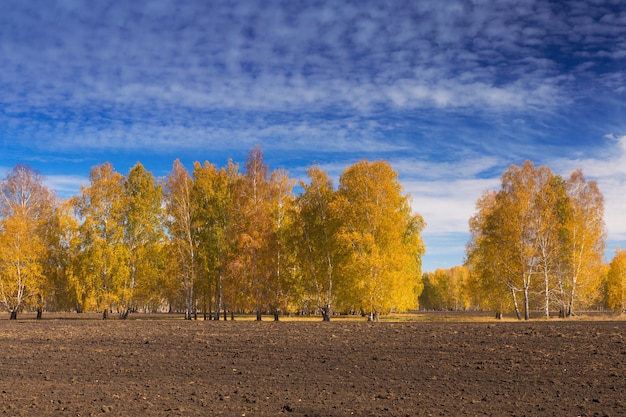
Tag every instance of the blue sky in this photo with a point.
(449, 92)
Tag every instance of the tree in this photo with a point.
(318, 228)
(25, 206)
(103, 259)
(63, 243)
(182, 244)
(254, 229)
(144, 237)
(445, 289)
(435, 288)
(281, 214)
(492, 263)
(616, 282)
(382, 237)
(214, 195)
(584, 246)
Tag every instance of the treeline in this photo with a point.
(213, 241)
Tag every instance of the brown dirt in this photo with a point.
(173, 367)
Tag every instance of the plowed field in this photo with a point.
(172, 367)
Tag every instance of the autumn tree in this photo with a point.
(25, 207)
(144, 237)
(214, 194)
(445, 289)
(104, 256)
(382, 237)
(254, 229)
(317, 236)
(492, 265)
(583, 243)
(435, 288)
(281, 202)
(63, 243)
(182, 245)
(616, 282)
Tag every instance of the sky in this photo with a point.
(451, 93)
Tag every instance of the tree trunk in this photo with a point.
(326, 313)
(374, 317)
(276, 316)
(13, 315)
(258, 314)
(547, 289)
(39, 313)
(526, 304)
(517, 313)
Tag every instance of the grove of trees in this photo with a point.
(216, 241)
(212, 241)
(538, 243)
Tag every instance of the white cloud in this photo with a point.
(65, 186)
(447, 206)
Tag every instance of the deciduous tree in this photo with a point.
(616, 282)
(182, 245)
(25, 207)
(214, 194)
(382, 237)
(103, 259)
(254, 230)
(281, 203)
(584, 244)
(317, 232)
(144, 237)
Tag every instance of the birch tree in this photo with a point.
(214, 196)
(25, 207)
(103, 258)
(585, 243)
(318, 227)
(383, 238)
(182, 245)
(254, 229)
(616, 282)
(282, 277)
(492, 260)
(144, 237)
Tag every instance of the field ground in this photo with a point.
(447, 367)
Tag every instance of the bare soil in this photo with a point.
(177, 368)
